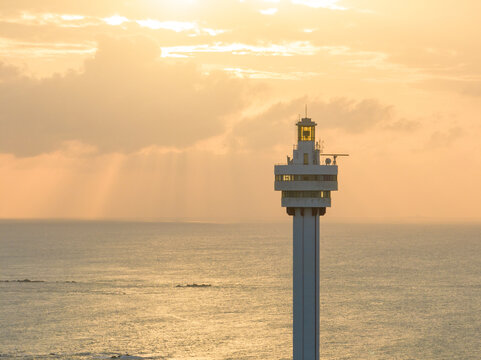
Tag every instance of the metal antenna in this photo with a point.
(306, 110)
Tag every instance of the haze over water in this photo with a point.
(109, 288)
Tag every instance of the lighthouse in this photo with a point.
(306, 185)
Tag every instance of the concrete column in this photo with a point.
(306, 284)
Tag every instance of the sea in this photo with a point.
(147, 290)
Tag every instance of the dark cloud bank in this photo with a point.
(275, 125)
(125, 99)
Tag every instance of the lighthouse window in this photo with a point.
(306, 133)
(306, 177)
(306, 194)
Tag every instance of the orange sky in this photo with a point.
(177, 110)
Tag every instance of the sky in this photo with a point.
(178, 110)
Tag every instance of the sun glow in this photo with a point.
(115, 20)
(270, 11)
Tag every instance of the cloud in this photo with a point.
(463, 86)
(269, 11)
(272, 126)
(327, 4)
(115, 20)
(440, 139)
(403, 125)
(46, 50)
(284, 49)
(126, 98)
(35, 32)
(260, 74)
(350, 115)
(8, 72)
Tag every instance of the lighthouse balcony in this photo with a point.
(306, 198)
(305, 185)
(301, 169)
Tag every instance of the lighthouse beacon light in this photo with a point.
(306, 185)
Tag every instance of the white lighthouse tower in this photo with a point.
(306, 187)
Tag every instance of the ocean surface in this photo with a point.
(101, 290)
